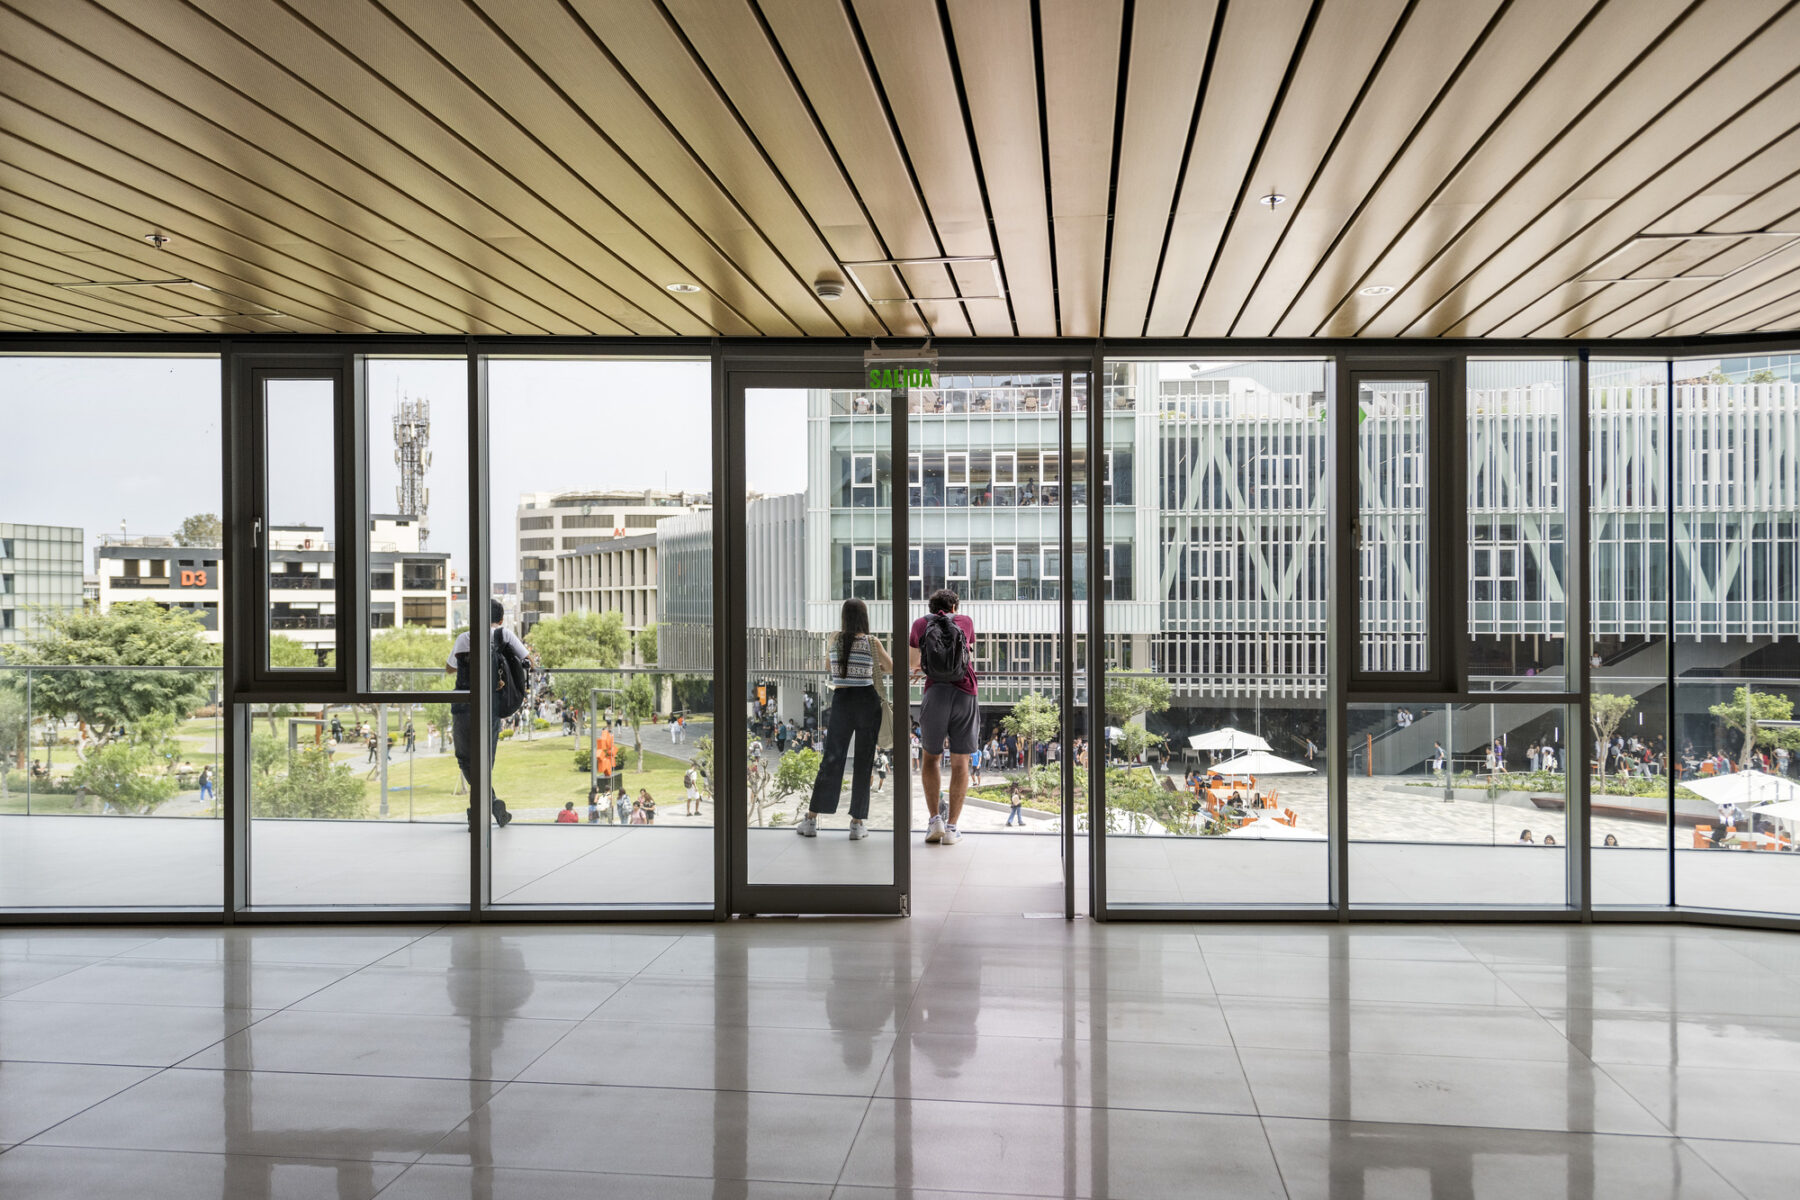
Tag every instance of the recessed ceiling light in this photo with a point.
(683, 289)
(1272, 199)
(1375, 289)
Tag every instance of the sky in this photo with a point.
(98, 440)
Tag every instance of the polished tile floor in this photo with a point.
(955, 1053)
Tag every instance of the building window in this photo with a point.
(862, 481)
(539, 543)
(588, 521)
(537, 522)
(644, 520)
(956, 479)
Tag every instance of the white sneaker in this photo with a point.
(858, 831)
(808, 826)
(934, 832)
(951, 837)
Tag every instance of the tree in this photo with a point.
(410, 658)
(136, 633)
(1135, 740)
(1129, 695)
(580, 639)
(646, 644)
(1745, 712)
(1032, 720)
(796, 773)
(1763, 376)
(1605, 711)
(124, 775)
(201, 529)
(639, 702)
(284, 651)
(313, 786)
(15, 728)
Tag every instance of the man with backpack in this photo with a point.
(943, 653)
(509, 671)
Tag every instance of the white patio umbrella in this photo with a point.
(1745, 788)
(1261, 762)
(1228, 739)
(1268, 827)
(1786, 810)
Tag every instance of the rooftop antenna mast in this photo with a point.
(412, 454)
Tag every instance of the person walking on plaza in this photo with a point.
(206, 784)
(510, 657)
(690, 782)
(1015, 796)
(855, 713)
(943, 654)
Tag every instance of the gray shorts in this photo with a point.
(949, 713)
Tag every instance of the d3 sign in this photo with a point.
(193, 579)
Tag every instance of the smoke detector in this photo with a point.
(828, 287)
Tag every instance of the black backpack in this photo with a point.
(509, 678)
(943, 650)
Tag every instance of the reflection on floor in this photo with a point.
(125, 861)
(955, 1053)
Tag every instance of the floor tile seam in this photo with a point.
(1629, 1094)
(713, 1089)
(1269, 1144)
(154, 1073)
(1524, 1129)
(1473, 1005)
(573, 1026)
(187, 1153)
(1136, 1109)
(578, 1173)
(837, 1180)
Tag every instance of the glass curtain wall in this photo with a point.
(110, 639)
(362, 803)
(1216, 667)
(600, 546)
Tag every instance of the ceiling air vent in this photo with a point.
(1687, 257)
(911, 280)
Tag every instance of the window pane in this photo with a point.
(1217, 651)
(617, 616)
(1737, 605)
(1458, 805)
(1392, 435)
(112, 468)
(1517, 535)
(1628, 416)
(418, 496)
(299, 551)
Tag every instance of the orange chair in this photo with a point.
(1702, 837)
(1290, 818)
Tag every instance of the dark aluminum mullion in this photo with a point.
(1671, 707)
(481, 686)
(1096, 633)
(731, 804)
(236, 507)
(900, 588)
(1577, 637)
(353, 553)
(1065, 515)
(728, 514)
(1342, 627)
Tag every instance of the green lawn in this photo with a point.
(528, 775)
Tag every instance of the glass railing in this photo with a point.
(110, 741)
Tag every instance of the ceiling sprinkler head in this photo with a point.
(157, 238)
(1272, 200)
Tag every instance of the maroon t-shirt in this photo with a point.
(968, 628)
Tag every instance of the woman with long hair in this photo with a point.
(855, 713)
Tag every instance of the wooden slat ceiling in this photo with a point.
(490, 167)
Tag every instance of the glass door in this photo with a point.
(813, 526)
(855, 506)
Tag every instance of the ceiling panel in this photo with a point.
(490, 168)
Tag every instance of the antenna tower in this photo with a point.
(412, 454)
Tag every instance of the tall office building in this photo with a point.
(549, 523)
